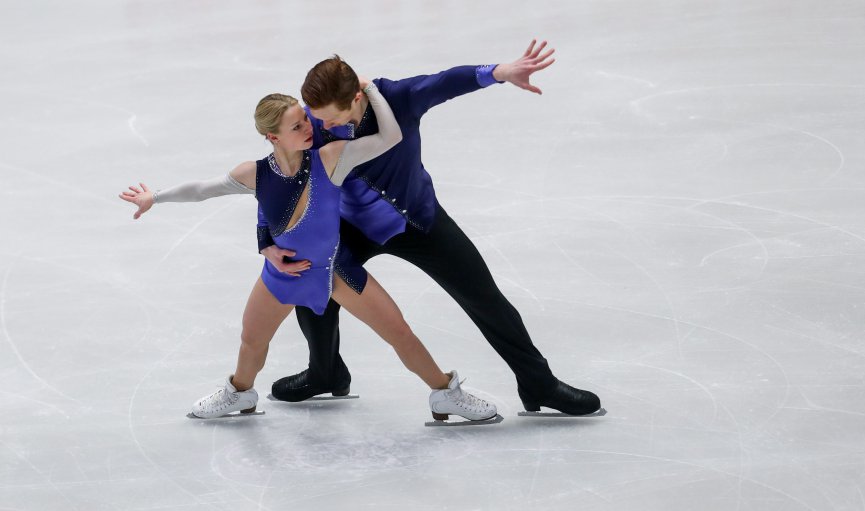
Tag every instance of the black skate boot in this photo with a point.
(563, 398)
(300, 387)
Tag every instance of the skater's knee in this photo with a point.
(399, 334)
(407, 348)
(250, 339)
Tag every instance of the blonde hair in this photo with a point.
(268, 113)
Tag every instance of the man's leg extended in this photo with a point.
(448, 256)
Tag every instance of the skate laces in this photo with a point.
(223, 397)
(474, 401)
(466, 398)
(231, 396)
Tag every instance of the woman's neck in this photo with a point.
(289, 161)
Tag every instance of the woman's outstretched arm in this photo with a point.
(241, 180)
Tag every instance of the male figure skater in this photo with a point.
(389, 207)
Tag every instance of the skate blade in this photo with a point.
(492, 420)
(232, 415)
(316, 398)
(600, 413)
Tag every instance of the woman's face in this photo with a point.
(295, 131)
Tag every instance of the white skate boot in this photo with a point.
(455, 401)
(226, 402)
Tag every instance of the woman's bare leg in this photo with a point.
(261, 318)
(378, 310)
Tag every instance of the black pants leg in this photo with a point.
(326, 366)
(448, 256)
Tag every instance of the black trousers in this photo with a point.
(448, 256)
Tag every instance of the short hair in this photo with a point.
(331, 81)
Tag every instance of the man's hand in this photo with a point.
(279, 258)
(520, 71)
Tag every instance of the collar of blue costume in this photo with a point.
(290, 188)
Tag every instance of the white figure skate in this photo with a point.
(227, 401)
(455, 401)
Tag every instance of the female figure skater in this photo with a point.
(298, 193)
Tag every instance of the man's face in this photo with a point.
(331, 116)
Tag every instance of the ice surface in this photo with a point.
(679, 218)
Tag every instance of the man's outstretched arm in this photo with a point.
(426, 91)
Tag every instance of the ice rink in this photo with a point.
(679, 218)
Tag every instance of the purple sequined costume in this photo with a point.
(314, 237)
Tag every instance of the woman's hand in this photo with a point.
(364, 82)
(280, 258)
(141, 197)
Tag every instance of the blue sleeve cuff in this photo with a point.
(484, 74)
(264, 238)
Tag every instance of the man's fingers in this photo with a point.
(144, 187)
(544, 56)
(529, 50)
(293, 273)
(538, 50)
(543, 65)
(294, 266)
(135, 189)
(286, 252)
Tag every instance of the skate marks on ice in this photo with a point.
(232, 415)
(600, 413)
(317, 398)
(485, 422)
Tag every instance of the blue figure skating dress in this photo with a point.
(315, 236)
